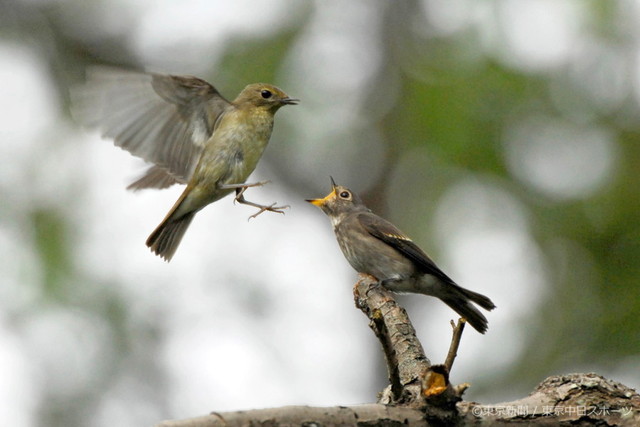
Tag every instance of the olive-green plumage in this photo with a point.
(374, 246)
(189, 132)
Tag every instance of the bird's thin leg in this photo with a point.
(241, 187)
(271, 208)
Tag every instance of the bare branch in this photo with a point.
(369, 415)
(455, 343)
(406, 361)
(421, 394)
(569, 400)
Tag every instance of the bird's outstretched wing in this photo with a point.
(163, 119)
(392, 236)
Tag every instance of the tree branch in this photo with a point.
(564, 400)
(455, 343)
(420, 393)
(406, 361)
(570, 400)
(362, 415)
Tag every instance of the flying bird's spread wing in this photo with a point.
(164, 119)
(388, 233)
(155, 177)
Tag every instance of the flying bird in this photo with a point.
(189, 132)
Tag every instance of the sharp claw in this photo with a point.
(270, 208)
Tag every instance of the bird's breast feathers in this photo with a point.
(242, 137)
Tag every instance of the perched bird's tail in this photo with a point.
(167, 236)
(461, 299)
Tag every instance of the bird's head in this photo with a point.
(339, 201)
(265, 96)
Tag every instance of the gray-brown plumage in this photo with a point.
(374, 246)
(189, 132)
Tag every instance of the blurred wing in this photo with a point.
(388, 233)
(161, 118)
(155, 177)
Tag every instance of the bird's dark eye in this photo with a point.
(266, 94)
(345, 194)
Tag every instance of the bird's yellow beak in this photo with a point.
(323, 201)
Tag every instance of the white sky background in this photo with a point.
(310, 346)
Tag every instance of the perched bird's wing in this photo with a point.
(388, 233)
(164, 119)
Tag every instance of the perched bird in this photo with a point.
(374, 246)
(189, 132)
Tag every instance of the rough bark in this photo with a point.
(406, 361)
(574, 399)
(420, 394)
(362, 415)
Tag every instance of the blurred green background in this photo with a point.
(503, 136)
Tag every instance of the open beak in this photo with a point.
(321, 202)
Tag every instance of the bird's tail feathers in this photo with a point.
(461, 299)
(164, 240)
(479, 299)
(167, 236)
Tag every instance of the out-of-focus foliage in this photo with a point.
(503, 135)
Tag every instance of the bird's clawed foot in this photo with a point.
(241, 188)
(270, 208)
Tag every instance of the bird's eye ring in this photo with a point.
(344, 194)
(266, 94)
